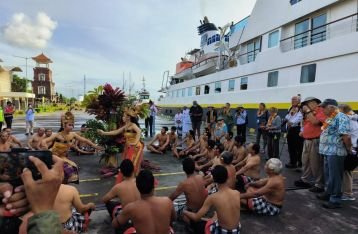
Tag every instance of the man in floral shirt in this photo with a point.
(334, 145)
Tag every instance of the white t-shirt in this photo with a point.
(354, 128)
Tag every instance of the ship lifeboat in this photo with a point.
(205, 66)
(184, 71)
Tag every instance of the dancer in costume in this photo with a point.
(63, 141)
(133, 148)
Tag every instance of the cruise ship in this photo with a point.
(284, 48)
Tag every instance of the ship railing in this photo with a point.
(248, 57)
(343, 26)
(205, 61)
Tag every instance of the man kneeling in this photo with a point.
(163, 142)
(150, 214)
(226, 202)
(266, 196)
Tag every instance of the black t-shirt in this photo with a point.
(196, 113)
(208, 116)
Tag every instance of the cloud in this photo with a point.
(26, 33)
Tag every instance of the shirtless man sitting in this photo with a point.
(229, 142)
(226, 202)
(204, 160)
(12, 139)
(150, 214)
(4, 143)
(35, 141)
(173, 139)
(126, 191)
(193, 188)
(163, 142)
(250, 168)
(239, 150)
(266, 196)
(68, 198)
(82, 147)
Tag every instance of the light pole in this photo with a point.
(26, 58)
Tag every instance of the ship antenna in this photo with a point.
(143, 80)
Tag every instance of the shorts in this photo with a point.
(75, 222)
(214, 228)
(260, 206)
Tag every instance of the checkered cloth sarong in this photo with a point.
(116, 211)
(214, 228)
(213, 189)
(180, 204)
(75, 222)
(260, 206)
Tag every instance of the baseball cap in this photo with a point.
(328, 102)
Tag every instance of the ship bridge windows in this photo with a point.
(308, 73)
(243, 83)
(206, 89)
(293, 2)
(197, 90)
(272, 79)
(231, 85)
(218, 87)
(273, 39)
(213, 39)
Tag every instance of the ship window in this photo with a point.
(308, 73)
(213, 38)
(273, 39)
(231, 85)
(206, 89)
(177, 93)
(190, 91)
(218, 87)
(253, 49)
(272, 79)
(183, 92)
(197, 90)
(293, 2)
(301, 30)
(204, 39)
(227, 38)
(318, 29)
(243, 84)
(209, 41)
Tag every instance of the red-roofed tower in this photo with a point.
(43, 85)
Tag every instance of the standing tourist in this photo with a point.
(178, 122)
(273, 128)
(313, 118)
(228, 117)
(153, 113)
(348, 175)
(196, 115)
(262, 118)
(220, 130)
(186, 121)
(133, 148)
(334, 145)
(241, 122)
(2, 118)
(211, 117)
(294, 141)
(30, 118)
(9, 114)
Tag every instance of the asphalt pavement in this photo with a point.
(301, 213)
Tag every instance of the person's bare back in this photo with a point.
(127, 192)
(151, 215)
(227, 205)
(68, 197)
(231, 176)
(194, 190)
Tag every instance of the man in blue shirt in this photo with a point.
(335, 143)
(241, 122)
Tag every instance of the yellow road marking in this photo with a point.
(90, 180)
(355, 171)
(167, 174)
(89, 195)
(164, 188)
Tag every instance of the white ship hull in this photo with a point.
(333, 61)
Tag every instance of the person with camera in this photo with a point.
(30, 119)
(313, 118)
(294, 140)
(241, 122)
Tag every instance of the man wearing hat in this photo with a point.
(335, 143)
(312, 161)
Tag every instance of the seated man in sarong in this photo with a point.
(226, 203)
(239, 150)
(163, 142)
(150, 214)
(190, 193)
(249, 169)
(126, 191)
(266, 196)
(82, 147)
(35, 140)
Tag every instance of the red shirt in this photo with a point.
(311, 130)
(9, 110)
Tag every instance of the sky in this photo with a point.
(108, 40)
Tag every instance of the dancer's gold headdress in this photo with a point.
(139, 110)
(66, 118)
